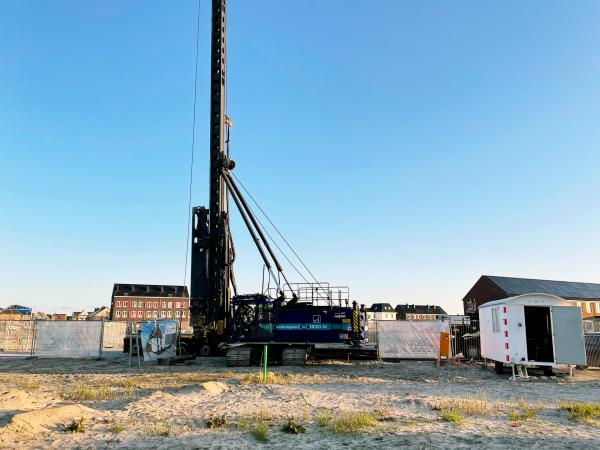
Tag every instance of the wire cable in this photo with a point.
(279, 233)
(189, 208)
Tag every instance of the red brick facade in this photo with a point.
(147, 308)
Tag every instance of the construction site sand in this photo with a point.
(166, 407)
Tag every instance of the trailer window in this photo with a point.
(495, 320)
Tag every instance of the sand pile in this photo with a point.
(44, 420)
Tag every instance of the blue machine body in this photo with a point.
(261, 318)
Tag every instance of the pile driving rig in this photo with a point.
(294, 319)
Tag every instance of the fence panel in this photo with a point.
(465, 340)
(592, 348)
(113, 337)
(16, 336)
(68, 339)
(372, 331)
(400, 339)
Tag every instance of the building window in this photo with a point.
(598, 308)
(132, 314)
(163, 305)
(148, 305)
(141, 314)
(177, 314)
(125, 303)
(495, 320)
(169, 314)
(170, 305)
(118, 313)
(177, 305)
(155, 314)
(118, 303)
(163, 314)
(588, 307)
(183, 314)
(156, 304)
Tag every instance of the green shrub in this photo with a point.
(76, 426)
(292, 427)
(215, 421)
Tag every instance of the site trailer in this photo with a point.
(528, 330)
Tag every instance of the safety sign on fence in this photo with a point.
(159, 339)
(399, 339)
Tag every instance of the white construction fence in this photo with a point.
(406, 339)
(62, 339)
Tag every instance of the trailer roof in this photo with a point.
(528, 299)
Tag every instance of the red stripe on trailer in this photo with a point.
(505, 333)
(506, 346)
(505, 322)
(504, 310)
(507, 358)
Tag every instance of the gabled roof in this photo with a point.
(564, 289)
(149, 290)
(381, 307)
(420, 309)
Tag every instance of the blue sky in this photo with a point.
(404, 148)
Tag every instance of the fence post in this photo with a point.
(33, 339)
(101, 338)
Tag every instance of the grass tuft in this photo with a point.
(76, 426)
(292, 427)
(582, 412)
(116, 428)
(452, 416)
(323, 418)
(474, 404)
(84, 393)
(260, 431)
(525, 414)
(353, 422)
(272, 378)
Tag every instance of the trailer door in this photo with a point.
(568, 335)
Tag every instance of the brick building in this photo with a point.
(488, 288)
(149, 301)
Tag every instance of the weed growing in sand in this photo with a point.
(242, 425)
(292, 427)
(272, 378)
(352, 422)
(260, 431)
(474, 404)
(322, 418)
(452, 416)
(517, 416)
(582, 412)
(84, 393)
(215, 421)
(116, 428)
(76, 426)
(262, 415)
(165, 429)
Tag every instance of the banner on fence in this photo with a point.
(68, 339)
(399, 339)
(159, 339)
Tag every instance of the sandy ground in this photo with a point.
(167, 407)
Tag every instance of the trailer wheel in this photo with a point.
(204, 350)
(499, 367)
